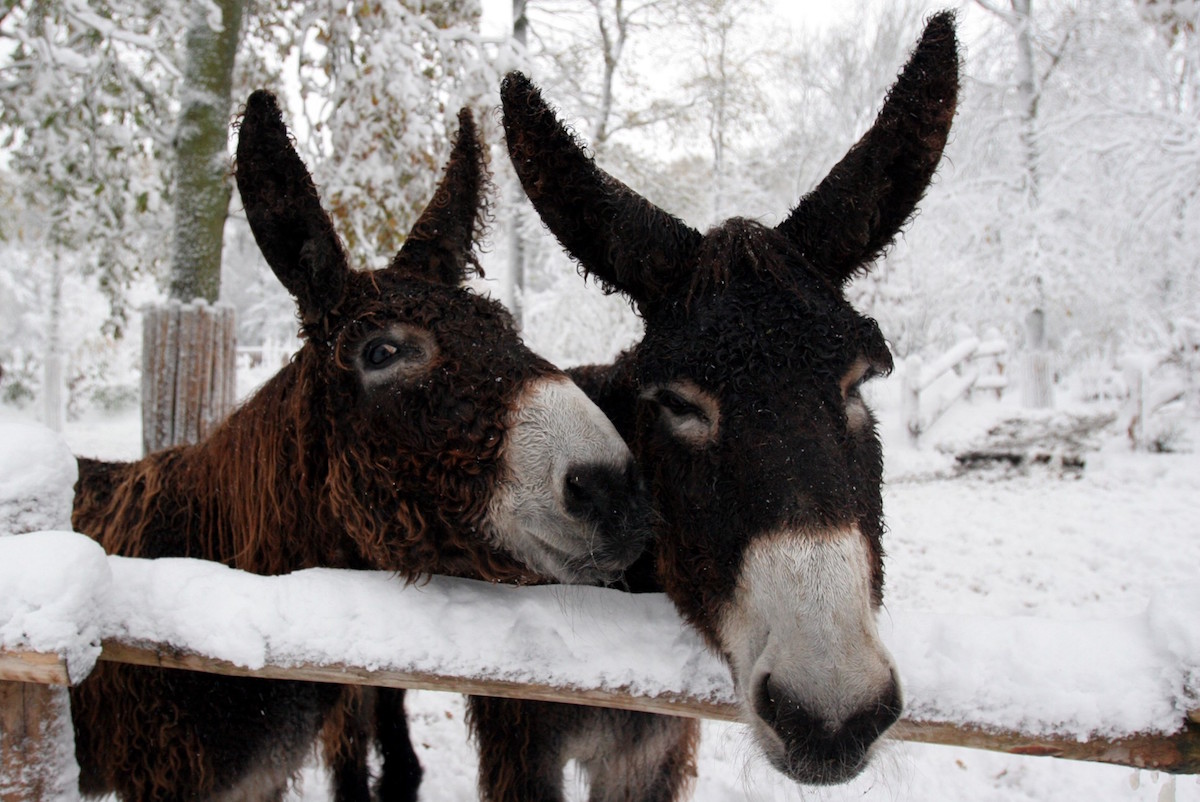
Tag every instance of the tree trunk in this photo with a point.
(188, 352)
(201, 142)
(1027, 97)
(1038, 386)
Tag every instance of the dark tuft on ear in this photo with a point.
(854, 214)
(441, 245)
(616, 235)
(295, 234)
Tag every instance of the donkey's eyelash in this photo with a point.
(383, 352)
(677, 405)
(868, 374)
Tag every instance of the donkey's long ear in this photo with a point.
(852, 216)
(294, 233)
(441, 245)
(617, 235)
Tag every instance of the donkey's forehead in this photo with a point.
(763, 329)
(741, 251)
(386, 295)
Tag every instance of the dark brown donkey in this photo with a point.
(742, 404)
(412, 432)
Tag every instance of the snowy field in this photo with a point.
(1095, 548)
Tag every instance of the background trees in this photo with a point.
(1082, 202)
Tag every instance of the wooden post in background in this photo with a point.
(1037, 387)
(188, 372)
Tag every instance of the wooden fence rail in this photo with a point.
(1177, 753)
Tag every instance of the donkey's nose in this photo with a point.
(819, 750)
(602, 492)
(616, 502)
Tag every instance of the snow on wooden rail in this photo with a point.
(1114, 692)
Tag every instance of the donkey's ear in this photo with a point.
(441, 245)
(294, 233)
(617, 235)
(852, 216)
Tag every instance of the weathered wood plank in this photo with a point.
(43, 669)
(189, 366)
(669, 704)
(1177, 753)
(37, 752)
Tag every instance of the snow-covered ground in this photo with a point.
(1097, 549)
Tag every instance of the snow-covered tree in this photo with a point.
(382, 83)
(82, 106)
(201, 144)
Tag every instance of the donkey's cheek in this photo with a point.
(571, 505)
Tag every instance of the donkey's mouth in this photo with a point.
(582, 566)
(805, 749)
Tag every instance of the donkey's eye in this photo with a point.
(381, 353)
(868, 374)
(685, 411)
(861, 372)
(396, 353)
(678, 405)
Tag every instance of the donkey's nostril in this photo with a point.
(592, 491)
(819, 749)
(874, 719)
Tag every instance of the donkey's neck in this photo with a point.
(247, 496)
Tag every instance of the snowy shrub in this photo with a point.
(19, 384)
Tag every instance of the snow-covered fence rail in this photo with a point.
(1148, 396)
(978, 367)
(1177, 753)
(1114, 692)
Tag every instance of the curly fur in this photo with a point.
(316, 469)
(757, 317)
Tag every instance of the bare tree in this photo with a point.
(1037, 386)
(727, 81)
(590, 44)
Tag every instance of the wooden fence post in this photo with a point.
(911, 400)
(1136, 372)
(37, 743)
(1037, 389)
(189, 371)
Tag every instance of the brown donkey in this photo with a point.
(742, 404)
(413, 432)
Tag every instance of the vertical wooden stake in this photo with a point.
(189, 365)
(1038, 386)
(37, 744)
(911, 400)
